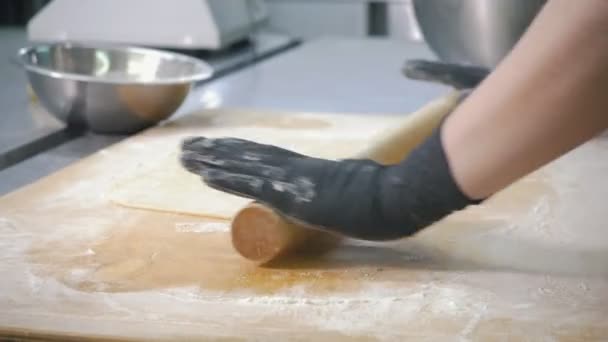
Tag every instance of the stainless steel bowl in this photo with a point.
(478, 32)
(110, 89)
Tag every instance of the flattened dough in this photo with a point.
(161, 184)
(168, 187)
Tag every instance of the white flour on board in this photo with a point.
(373, 308)
(202, 227)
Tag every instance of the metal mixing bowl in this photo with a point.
(478, 32)
(110, 89)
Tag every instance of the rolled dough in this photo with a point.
(159, 182)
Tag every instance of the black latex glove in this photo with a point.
(356, 198)
(459, 76)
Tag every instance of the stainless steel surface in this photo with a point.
(20, 124)
(110, 89)
(340, 75)
(479, 32)
(261, 45)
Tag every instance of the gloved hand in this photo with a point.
(356, 198)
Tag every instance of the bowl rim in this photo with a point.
(206, 71)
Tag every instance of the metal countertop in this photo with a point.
(20, 127)
(328, 75)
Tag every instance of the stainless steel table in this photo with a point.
(326, 75)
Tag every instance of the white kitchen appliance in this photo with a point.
(179, 24)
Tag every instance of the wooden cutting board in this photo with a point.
(530, 264)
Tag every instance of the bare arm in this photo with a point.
(546, 98)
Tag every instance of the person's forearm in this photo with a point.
(549, 95)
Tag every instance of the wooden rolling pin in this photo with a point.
(262, 235)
